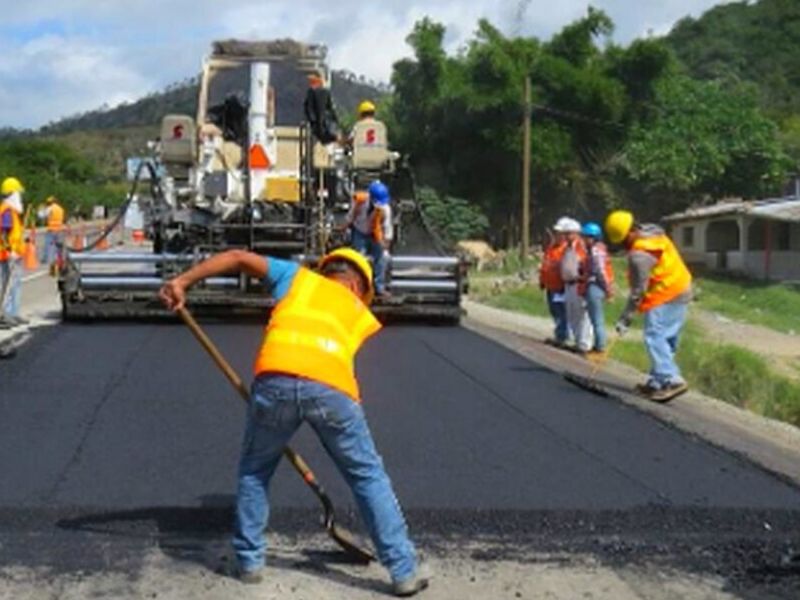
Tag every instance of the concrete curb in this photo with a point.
(773, 445)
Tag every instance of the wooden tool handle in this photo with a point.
(215, 354)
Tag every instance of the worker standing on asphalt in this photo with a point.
(372, 230)
(598, 283)
(573, 258)
(53, 214)
(661, 288)
(304, 371)
(12, 244)
(550, 281)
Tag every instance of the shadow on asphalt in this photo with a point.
(201, 535)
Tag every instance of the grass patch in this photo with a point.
(771, 305)
(738, 376)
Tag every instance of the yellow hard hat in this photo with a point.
(366, 107)
(356, 259)
(618, 225)
(11, 185)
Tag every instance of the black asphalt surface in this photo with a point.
(115, 429)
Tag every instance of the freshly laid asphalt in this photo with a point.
(132, 428)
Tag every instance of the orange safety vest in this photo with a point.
(377, 223)
(315, 332)
(55, 218)
(669, 278)
(597, 251)
(13, 240)
(550, 269)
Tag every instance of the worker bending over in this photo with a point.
(598, 283)
(661, 289)
(12, 244)
(305, 371)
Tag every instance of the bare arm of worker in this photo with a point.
(639, 264)
(173, 292)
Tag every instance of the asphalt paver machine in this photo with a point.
(246, 172)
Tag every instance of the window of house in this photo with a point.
(687, 236)
(722, 236)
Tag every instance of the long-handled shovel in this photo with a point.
(340, 535)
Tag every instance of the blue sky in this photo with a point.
(61, 57)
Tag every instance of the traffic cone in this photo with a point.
(77, 240)
(29, 258)
(102, 243)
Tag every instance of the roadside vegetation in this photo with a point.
(726, 371)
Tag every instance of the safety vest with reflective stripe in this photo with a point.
(13, 239)
(55, 218)
(669, 278)
(315, 332)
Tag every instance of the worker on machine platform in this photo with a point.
(368, 139)
(320, 112)
(661, 289)
(305, 371)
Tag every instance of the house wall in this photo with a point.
(737, 244)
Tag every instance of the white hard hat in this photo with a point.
(567, 225)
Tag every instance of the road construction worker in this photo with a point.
(54, 217)
(368, 139)
(661, 289)
(319, 110)
(598, 283)
(371, 229)
(572, 259)
(12, 244)
(304, 371)
(550, 281)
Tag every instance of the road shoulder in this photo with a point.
(773, 445)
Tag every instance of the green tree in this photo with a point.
(706, 140)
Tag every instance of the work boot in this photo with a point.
(250, 577)
(6, 323)
(596, 355)
(410, 586)
(416, 583)
(645, 389)
(19, 321)
(669, 391)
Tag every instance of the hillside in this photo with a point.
(348, 90)
(756, 41)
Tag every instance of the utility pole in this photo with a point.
(526, 173)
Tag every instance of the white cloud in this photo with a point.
(52, 76)
(64, 56)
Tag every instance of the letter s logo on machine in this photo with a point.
(177, 132)
(370, 136)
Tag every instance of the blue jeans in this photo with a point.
(662, 326)
(278, 406)
(367, 245)
(558, 311)
(11, 275)
(595, 301)
(51, 241)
